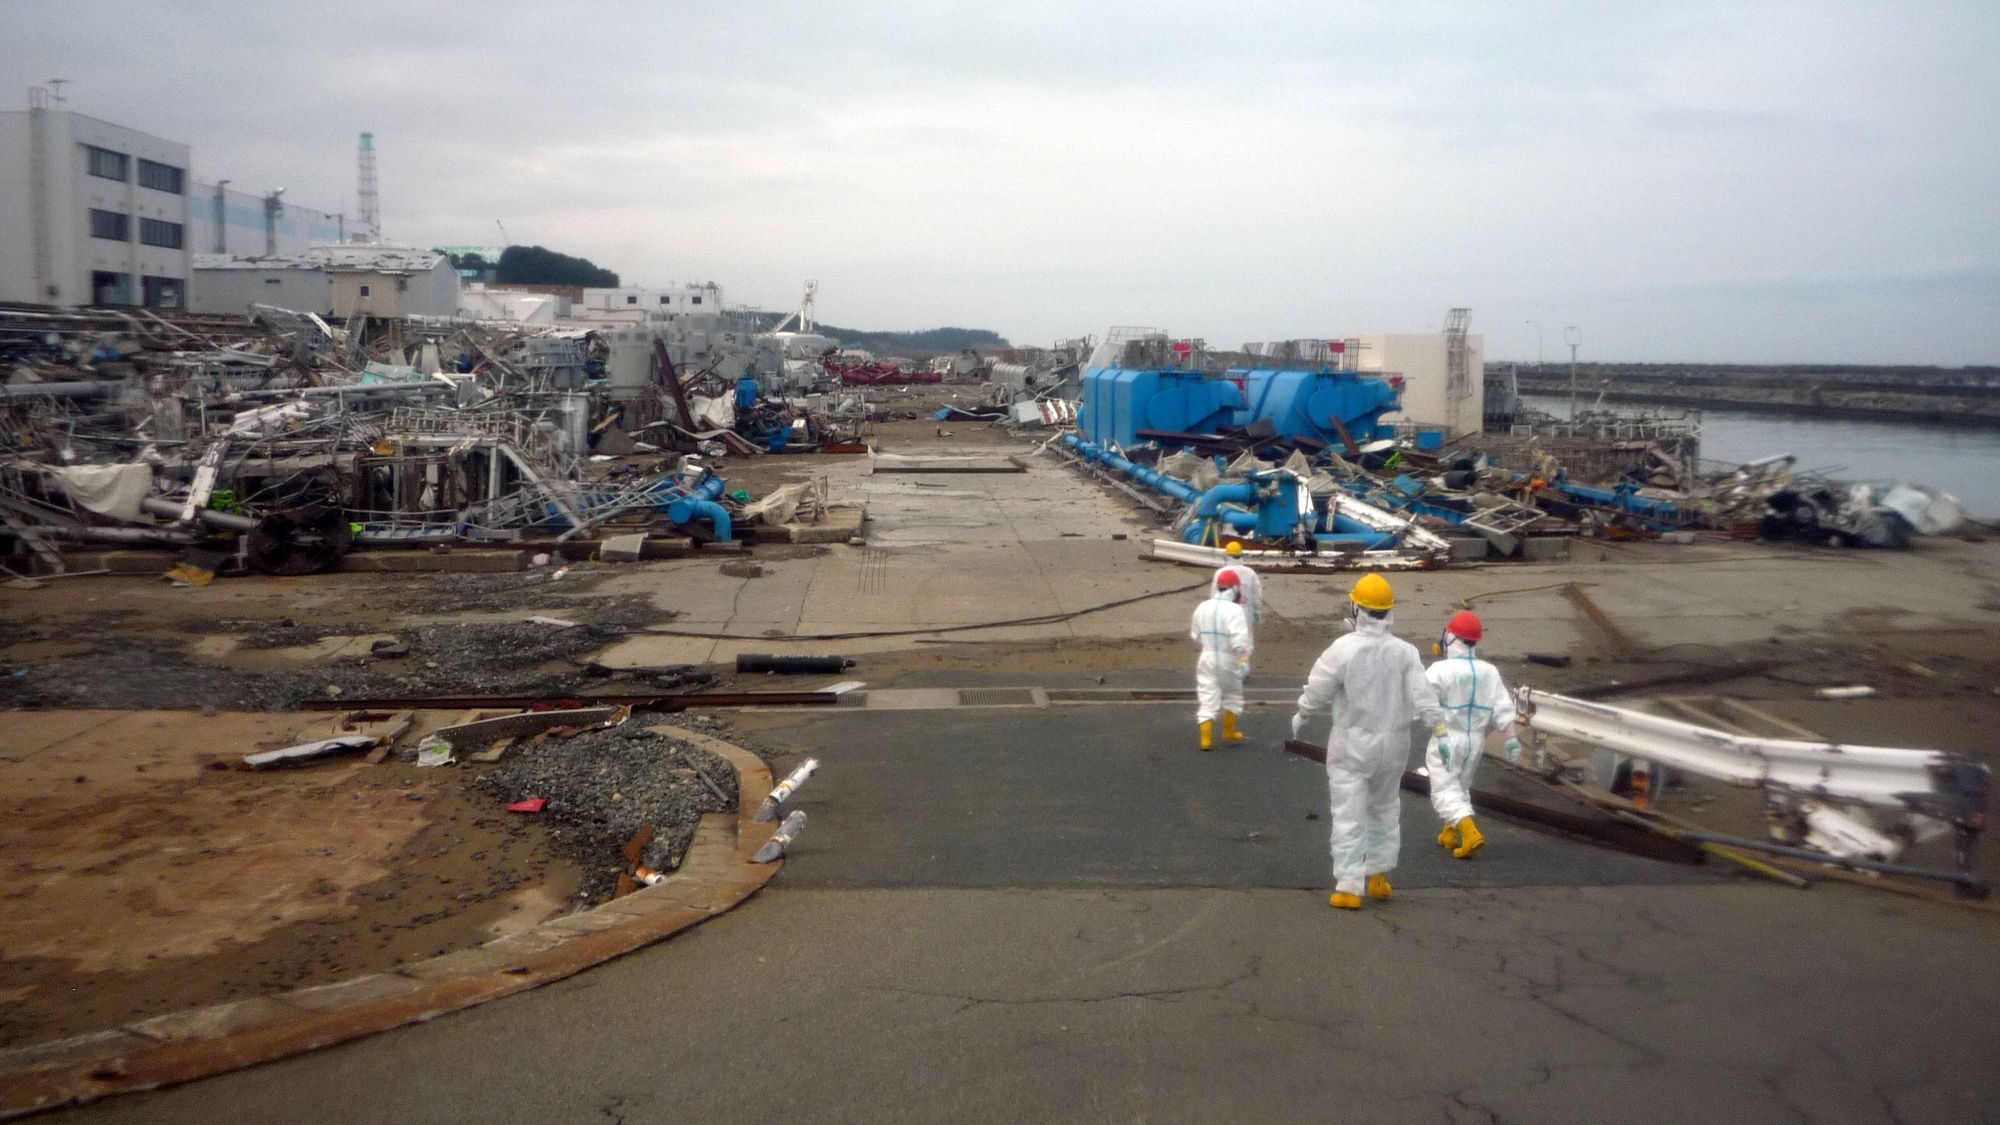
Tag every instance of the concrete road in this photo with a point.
(1064, 915)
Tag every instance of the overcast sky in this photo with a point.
(1693, 180)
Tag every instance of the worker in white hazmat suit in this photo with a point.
(1223, 631)
(1251, 583)
(1475, 701)
(1373, 685)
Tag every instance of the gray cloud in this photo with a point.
(1698, 180)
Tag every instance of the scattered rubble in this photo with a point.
(603, 787)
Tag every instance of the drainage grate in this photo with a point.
(995, 696)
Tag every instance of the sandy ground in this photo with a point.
(139, 879)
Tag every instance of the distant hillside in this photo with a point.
(538, 265)
(916, 345)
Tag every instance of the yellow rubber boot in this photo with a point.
(1469, 839)
(1378, 886)
(1344, 902)
(1229, 731)
(1208, 735)
(1448, 838)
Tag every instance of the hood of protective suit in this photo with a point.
(1369, 625)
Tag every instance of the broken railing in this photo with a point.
(1858, 806)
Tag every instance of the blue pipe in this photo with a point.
(1152, 478)
(700, 504)
(1240, 492)
(714, 513)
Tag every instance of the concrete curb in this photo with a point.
(182, 1046)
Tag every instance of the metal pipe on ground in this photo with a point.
(209, 516)
(792, 665)
(1603, 830)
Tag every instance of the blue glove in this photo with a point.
(1513, 749)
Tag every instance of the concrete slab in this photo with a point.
(373, 988)
(216, 1021)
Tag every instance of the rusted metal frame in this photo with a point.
(666, 702)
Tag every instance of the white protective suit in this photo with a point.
(1373, 684)
(1475, 701)
(1253, 591)
(1223, 630)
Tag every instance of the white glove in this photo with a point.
(1242, 668)
(1298, 725)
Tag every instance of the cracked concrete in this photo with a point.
(1060, 918)
(1735, 1003)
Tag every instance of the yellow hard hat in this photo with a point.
(1373, 592)
(1234, 550)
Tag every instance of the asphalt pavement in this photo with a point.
(1072, 915)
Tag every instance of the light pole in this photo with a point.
(1574, 336)
(1538, 345)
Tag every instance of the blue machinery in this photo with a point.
(1315, 405)
(1268, 506)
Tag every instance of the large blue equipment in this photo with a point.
(1119, 403)
(1268, 505)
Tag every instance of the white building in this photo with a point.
(479, 301)
(230, 285)
(390, 281)
(224, 220)
(636, 305)
(1424, 362)
(91, 212)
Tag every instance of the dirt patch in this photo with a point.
(129, 900)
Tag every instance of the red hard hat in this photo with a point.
(1465, 626)
(1227, 579)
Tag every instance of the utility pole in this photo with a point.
(1574, 336)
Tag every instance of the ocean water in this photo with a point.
(1964, 462)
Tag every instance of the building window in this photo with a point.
(402, 285)
(159, 232)
(694, 300)
(108, 164)
(108, 288)
(273, 281)
(630, 300)
(110, 225)
(160, 177)
(160, 292)
(666, 300)
(364, 291)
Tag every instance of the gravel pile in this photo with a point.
(501, 658)
(604, 786)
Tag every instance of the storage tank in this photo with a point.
(1308, 403)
